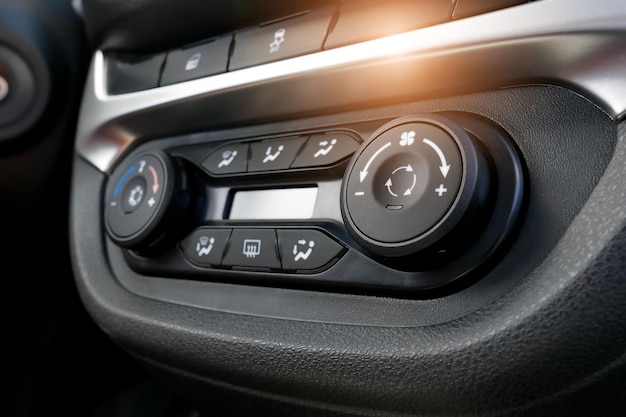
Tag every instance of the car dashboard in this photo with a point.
(334, 208)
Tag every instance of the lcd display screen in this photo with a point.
(289, 203)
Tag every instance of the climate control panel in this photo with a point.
(413, 183)
(422, 202)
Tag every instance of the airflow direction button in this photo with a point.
(325, 149)
(229, 159)
(205, 246)
(274, 154)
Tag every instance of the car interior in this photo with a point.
(314, 208)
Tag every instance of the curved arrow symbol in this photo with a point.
(155, 178)
(363, 173)
(388, 185)
(408, 191)
(407, 168)
(445, 167)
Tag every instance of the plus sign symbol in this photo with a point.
(441, 190)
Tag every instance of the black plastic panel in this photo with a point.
(268, 167)
(361, 20)
(553, 201)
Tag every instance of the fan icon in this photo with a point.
(407, 138)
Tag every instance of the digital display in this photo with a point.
(288, 203)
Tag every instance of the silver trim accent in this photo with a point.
(576, 43)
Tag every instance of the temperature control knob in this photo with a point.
(416, 185)
(144, 195)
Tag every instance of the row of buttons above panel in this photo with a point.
(298, 35)
(305, 33)
(317, 150)
(297, 250)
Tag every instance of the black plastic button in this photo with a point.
(325, 149)
(296, 36)
(129, 73)
(466, 8)
(306, 249)
(274, 154)
(205, 246)
(366, 19)
(136, 195)
(144, 194)
(404, 182)
(229, 159)
(253, 248)
(196, 62)
(419, 184)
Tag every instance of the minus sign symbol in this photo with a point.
(359, 193)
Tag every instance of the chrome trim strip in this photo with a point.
(577, 43)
